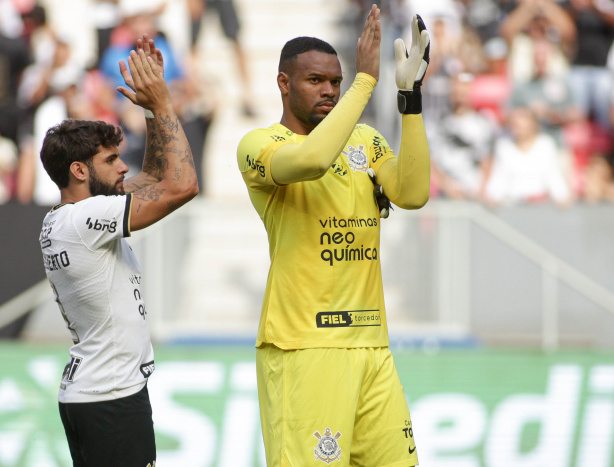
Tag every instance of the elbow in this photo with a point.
(314, 168)
(186, 192)
(417, 201)
(193, 190)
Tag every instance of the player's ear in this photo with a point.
(283, 81)
(79, 171)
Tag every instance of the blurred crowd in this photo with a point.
(518, 100)
(43, 80)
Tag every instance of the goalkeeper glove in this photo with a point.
(411, 67)
(383, 203)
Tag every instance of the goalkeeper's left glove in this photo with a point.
(383, 203)
(411, 67)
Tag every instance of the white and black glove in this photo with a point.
(383, 203)
(411, 67)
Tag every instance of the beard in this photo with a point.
(311, 115)
(100, 187)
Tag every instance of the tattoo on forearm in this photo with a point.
(151, 193)
(188, 158)
(168, 128)
(177, 174)
(139, 182)
(153, 162)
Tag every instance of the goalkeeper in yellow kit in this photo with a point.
(328, 387)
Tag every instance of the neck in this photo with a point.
(73, 195)
(294, 124)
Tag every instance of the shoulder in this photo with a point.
(364, 129)
(368, 136)
(97, 206)
(259, 138)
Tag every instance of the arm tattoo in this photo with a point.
(177, 174)
(151, 193)
(154, 160)
(168, 127)
(139, 182)
(188, 158)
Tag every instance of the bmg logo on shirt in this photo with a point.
(256, 165)
(101, 224)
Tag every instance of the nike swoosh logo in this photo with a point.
(411, 451)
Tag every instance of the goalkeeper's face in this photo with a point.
(314, 87)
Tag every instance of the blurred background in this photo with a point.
(499, 293)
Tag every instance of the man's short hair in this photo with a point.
(75, 141)
(300, 45)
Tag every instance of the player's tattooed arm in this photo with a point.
(160, 131)
(168, 178)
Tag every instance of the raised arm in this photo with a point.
(406, 179)
(168, 179)
(311, 159)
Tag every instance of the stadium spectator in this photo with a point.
(137, 17)
(309, 179)
(534, 20)
(550, 98)
(590, 78)
(8, 166)
(599, 179)
(64, 100)
(14, 58)
(461, 146)
(526, 167)
(194, 103)
(226, 12)
(105, 17)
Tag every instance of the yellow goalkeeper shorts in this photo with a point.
(347, 406)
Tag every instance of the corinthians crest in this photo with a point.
(327, 450)
(357, 159)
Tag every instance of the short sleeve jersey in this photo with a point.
(96, 280)
(324, 287)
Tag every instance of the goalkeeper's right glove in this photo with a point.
(411, 67)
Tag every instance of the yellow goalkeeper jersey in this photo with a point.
(324, 287)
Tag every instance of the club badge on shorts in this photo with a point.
(357, 159)
(327, 450)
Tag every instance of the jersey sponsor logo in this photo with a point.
(357, 159)
(343, 223)
(348, 319)
(256, 165)
(44, 239)
(101, 225)
(378, 148)
(341, 244)
(139, 301)
(70, 369)
(147, 369)
(328, 449)
(339, 169)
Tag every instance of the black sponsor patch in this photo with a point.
(346, 319)
(147, 369)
